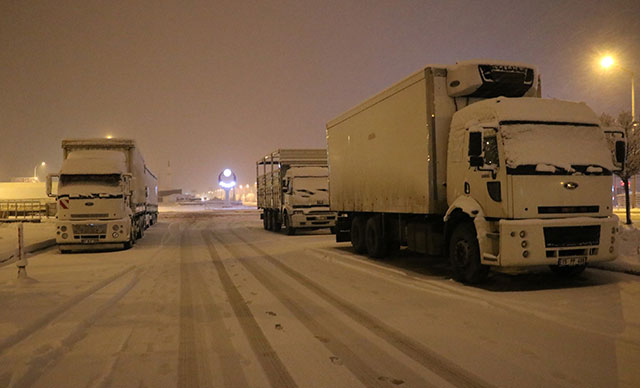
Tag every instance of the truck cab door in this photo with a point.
(485, 180)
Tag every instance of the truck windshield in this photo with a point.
(112, 180)
(542, 148)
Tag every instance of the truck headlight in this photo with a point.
(63, 228)
(115, 228)
(524, 243)
(115, 235)
(64, 235)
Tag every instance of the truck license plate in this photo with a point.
(89, 241)
(569, 261)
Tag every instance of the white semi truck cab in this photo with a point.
(467, 160)
(293, 190)
(535, 176)
(106, 195)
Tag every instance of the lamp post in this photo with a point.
(607, 62)
(35, 170)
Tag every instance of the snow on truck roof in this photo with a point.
(525, 109)
(295, 156)
(94, 162)
(98, 143)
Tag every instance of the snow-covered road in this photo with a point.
(211, 299)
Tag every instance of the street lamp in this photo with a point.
(35, 170)
(608, 62)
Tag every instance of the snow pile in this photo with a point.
(556, 145)
(629, 251)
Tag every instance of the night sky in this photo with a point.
(215, 84)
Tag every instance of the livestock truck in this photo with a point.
(293, 191)
(106, 195)
(468, 160)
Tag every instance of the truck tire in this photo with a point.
(357, 234)
(568, 272)
(464, 255)
(268, 219)
(132, 240)
(277, 225)
(288, 229)
(374, 238)
(264, 219)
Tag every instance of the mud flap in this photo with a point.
(343, 228)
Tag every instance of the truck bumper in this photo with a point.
(93, 232)
(314, 220)
(568, 241)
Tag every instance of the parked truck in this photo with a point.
(293, 191)
(468, 160)
(106, 195)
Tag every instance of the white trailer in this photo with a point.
(106, 195)
(293, 191)
(468, 160)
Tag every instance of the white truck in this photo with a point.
(468, 160)
(293, 191)
(106, 195)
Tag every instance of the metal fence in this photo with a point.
(30, 210)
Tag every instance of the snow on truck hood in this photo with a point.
(94, 162)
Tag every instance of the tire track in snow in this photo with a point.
(441, 366)
(188, 355)
(329, 330)
(272, 365)
(39, 365)
(38, 324)
(199, 316)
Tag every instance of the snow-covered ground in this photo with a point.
(209, 298)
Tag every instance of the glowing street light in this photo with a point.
(608, 62)
(35, 170)
(227, 180)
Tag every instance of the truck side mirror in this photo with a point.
(49, 184)
(475, 149)
(620, 152)
(475, 143)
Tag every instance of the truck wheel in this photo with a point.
(132, 240)
(264, 220)
(357, 234)
(464, 255)
(568, 272)
(374, 237)
(267, 218)
(276, 222)
(288, 229)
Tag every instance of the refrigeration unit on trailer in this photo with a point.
(106, 195)
(468, 160)
(293, 191)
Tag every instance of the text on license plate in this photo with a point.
(568, 261)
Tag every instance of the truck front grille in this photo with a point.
(571, 236)
(89, 216)
(92, 229)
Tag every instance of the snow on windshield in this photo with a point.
(311, 185)
(555, 145)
